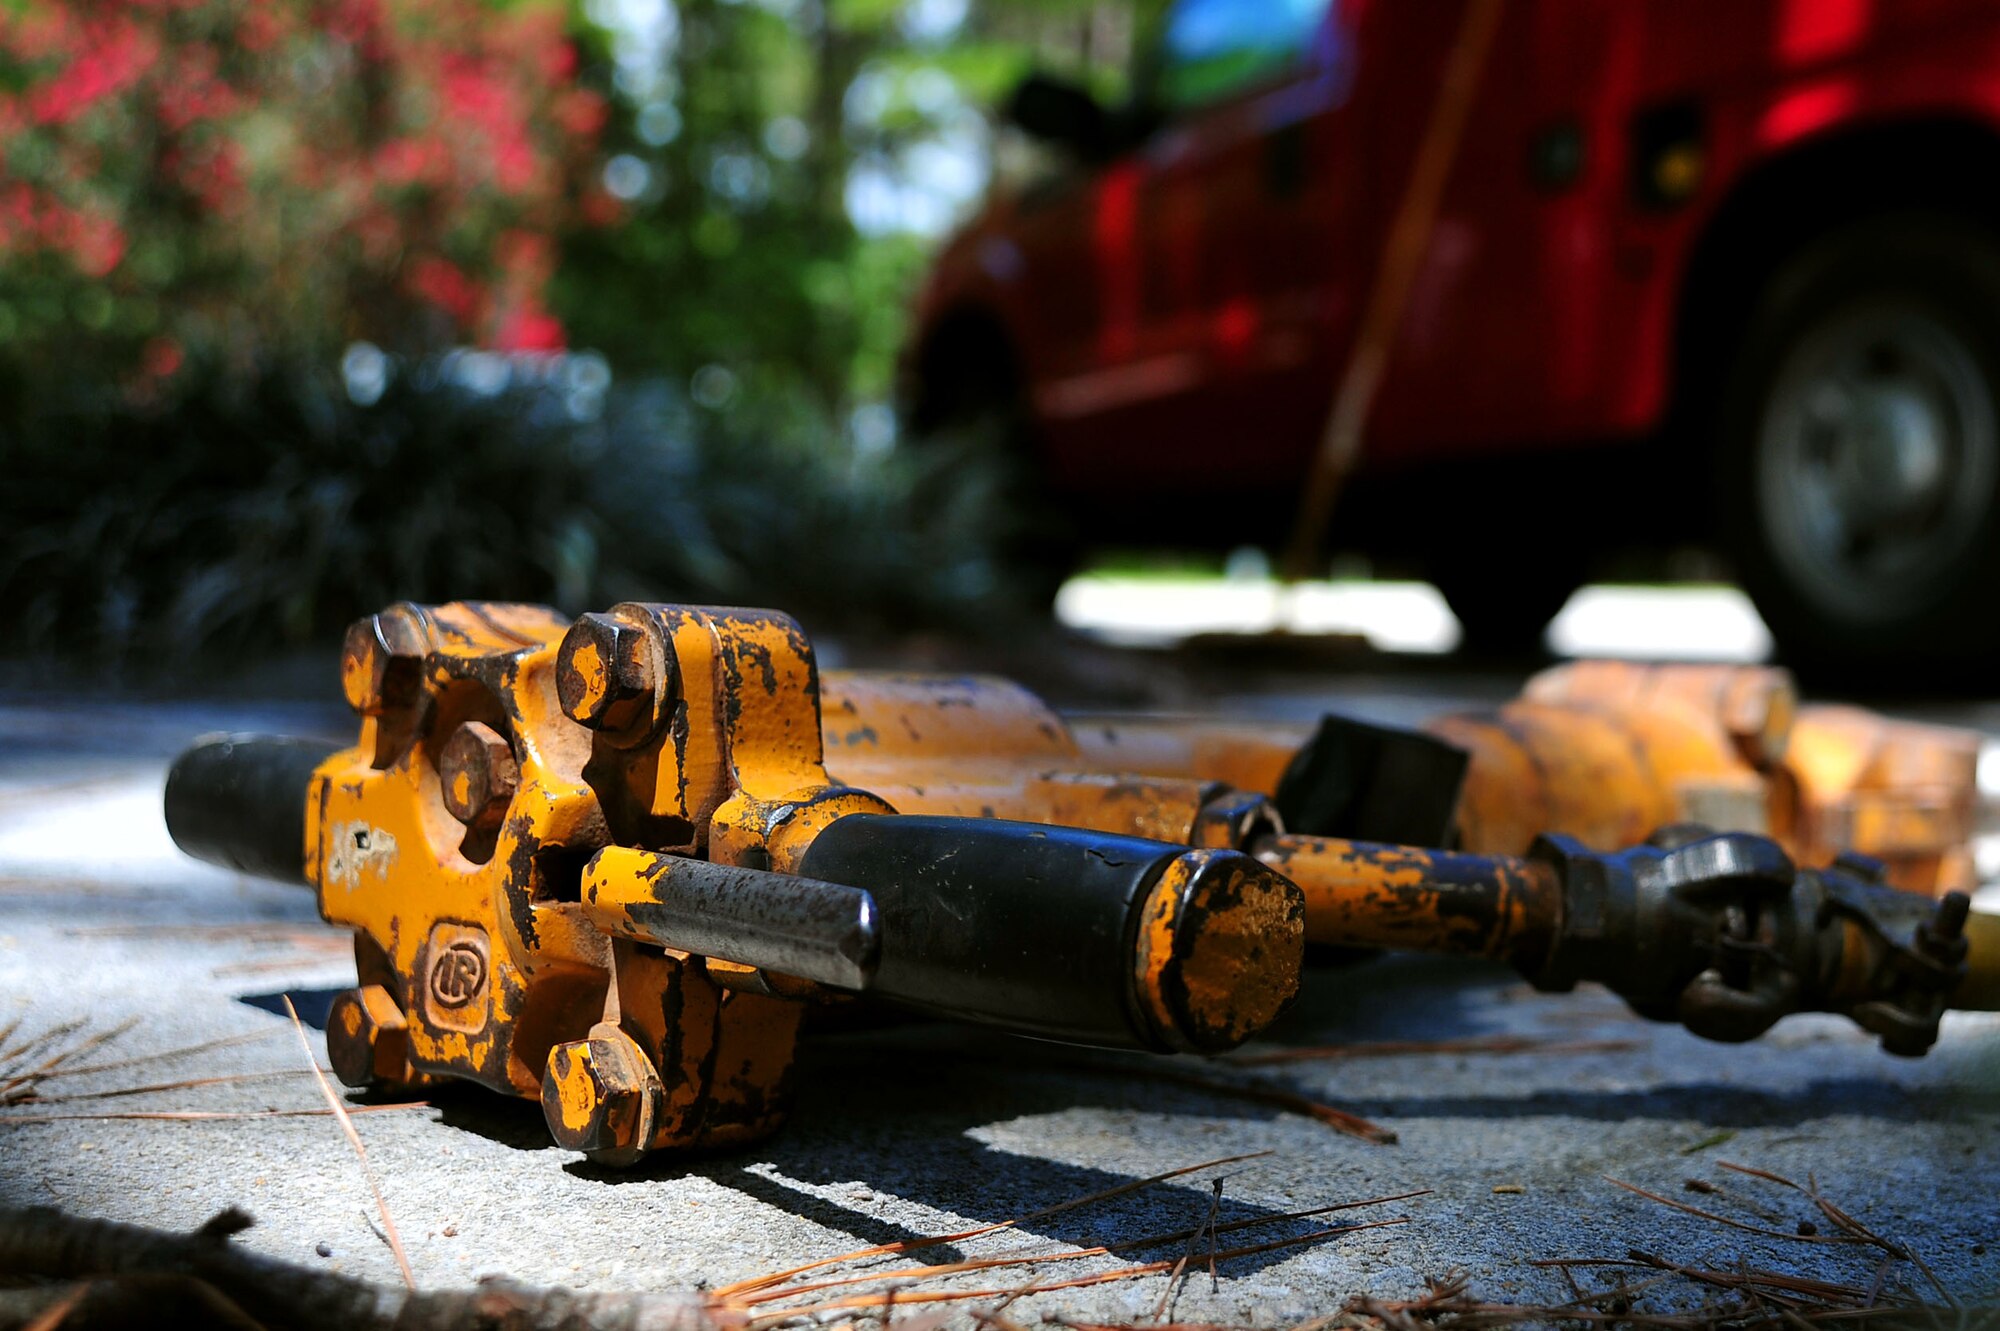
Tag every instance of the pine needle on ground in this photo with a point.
(333, 1102)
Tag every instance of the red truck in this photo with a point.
(1702, 271)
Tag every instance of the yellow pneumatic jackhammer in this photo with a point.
(606, 863)
(1604, 751)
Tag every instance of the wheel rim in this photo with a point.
(1877, 457)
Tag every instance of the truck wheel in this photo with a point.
(1860, 449)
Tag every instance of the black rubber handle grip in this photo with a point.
(1044, 930)
(239, 801)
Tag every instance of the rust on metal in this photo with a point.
(453, 838)
(824, 932)
(601, 1096)
(981, 747)
(1219, 950)
(367, 1039)
(1360, 894)
(478, 776)
(512, 835)
(612, 674)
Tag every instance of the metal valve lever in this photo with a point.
(825, 933)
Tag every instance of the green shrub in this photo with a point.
(247, 516)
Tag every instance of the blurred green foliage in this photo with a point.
(729, 201)
(745, 129)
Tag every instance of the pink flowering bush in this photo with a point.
(241, 181)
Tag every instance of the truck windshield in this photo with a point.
(1210, 49)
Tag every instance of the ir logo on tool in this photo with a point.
(457, 976)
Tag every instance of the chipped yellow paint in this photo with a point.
(876, 717)
(490, 953)
(1727, 746)
(356, 848)
(575, 1086)
(980, 747)
(595, 672)
(1603, 751)
(1245, 754)
(651, 985)
(1361, 894)
(1156, 946)
(393, 864)
(739, 766)
(1220, 941)
(490, 950)
(1903, 792)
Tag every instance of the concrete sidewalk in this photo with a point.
(926, 1129)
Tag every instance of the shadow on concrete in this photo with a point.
(314, 1006)
(504, 1120)
(851, 1125)
(897, 1113)
(894, 1108)
(899, 1109)
(1710, 1104)
(1405, 997)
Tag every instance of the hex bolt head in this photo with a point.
(1221, 939)
(382, 661)
(367, 1038)
(601, 1096)
(1230, 819)
(610, 676)
(478, 775)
